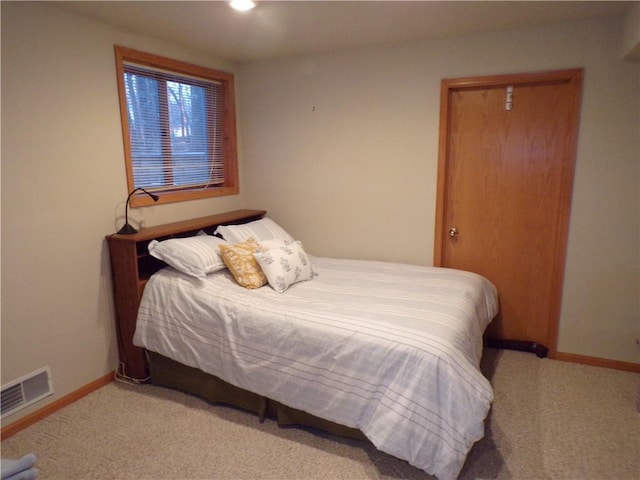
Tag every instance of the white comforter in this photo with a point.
(387, 348)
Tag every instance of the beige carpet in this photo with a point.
(550, 420)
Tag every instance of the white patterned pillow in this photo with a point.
(195, 256)
(273, 243)
(259, 230)
(285, 265)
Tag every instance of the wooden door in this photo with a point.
(506, 161)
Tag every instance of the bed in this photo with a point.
(377, 350)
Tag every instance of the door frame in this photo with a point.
(448, 86)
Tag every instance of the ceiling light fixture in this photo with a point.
(242, 5)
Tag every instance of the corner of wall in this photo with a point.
(631, 34)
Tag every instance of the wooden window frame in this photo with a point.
(226, 80)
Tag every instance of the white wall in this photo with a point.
(63, 190)
(630, 43)
(342, 150)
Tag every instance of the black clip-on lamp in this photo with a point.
(126, 228)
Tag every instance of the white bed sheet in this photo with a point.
(390, 349)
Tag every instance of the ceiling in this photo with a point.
(276, 29)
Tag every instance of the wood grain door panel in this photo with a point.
(505, 183)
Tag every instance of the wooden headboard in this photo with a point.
(131, 267)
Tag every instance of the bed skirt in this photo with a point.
(165, 372)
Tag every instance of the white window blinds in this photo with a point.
(175, 126)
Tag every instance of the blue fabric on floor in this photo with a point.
(21, 469)
(30, 474)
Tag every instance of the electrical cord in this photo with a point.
(120, 376)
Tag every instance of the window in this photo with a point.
(178, 126)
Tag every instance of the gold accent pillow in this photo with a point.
(242, 264)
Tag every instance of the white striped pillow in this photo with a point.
(196, 256)
(259, 230)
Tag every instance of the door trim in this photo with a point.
(448, 87)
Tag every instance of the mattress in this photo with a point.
(390, 349)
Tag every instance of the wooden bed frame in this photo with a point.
(131, 267)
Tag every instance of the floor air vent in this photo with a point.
(25, 391)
